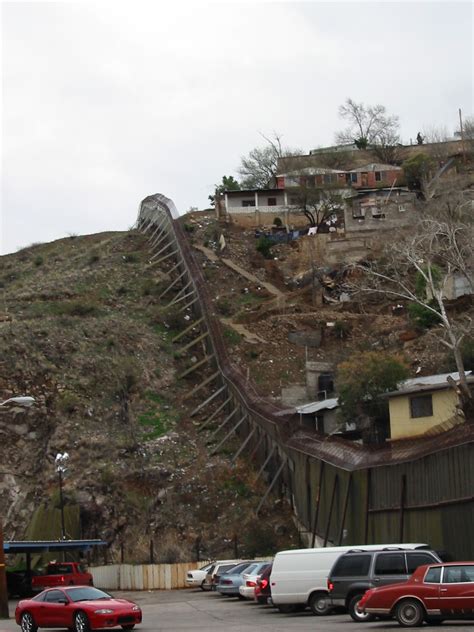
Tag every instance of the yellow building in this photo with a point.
(422, 404)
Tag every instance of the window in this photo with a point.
(272, 201)
(354, 177)
(248, 202)
(421, 406)
(390, 564)
(458, 574)
(327, 178)
(351, 566)
(433, 575)
(55, 596)
(358, 212)
(417, 559)
(59, 569)
(402, 208)
(310, 181)
(378, 176)
(377, 213)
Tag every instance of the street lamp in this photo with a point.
(21, 401)
(61, 462)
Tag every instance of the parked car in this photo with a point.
(249, 581)
(433, 593)
(19, 583)
(299, 576)
(229, 583)
(217, 567)
(262, 590)
(79, 608)
(197, 577)
(62, 574)
(357, 571)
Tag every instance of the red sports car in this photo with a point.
(79, 608)
(433, 593)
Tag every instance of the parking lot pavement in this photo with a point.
(191, 609)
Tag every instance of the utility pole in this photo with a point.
(3, 580)
(462, 137)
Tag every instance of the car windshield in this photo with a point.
(238, 569)
(87, 594)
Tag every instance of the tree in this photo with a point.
(362, 379)
(440, 247)
(258, 169)
(229, 183)
(320, 206)
(368, 126)
(418, 170)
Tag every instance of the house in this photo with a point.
(375, 175)
(255, 207)
(424, 404)
(381, 208)
(320, 416)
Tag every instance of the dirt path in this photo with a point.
(243, 331)
(211, 255)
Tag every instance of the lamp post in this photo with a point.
(61, 461)
(4, 614)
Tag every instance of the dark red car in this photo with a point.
(78, 608)
(263, 590)
(433, 593)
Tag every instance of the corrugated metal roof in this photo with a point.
(375, 166)
(313, 407)
(427, 383)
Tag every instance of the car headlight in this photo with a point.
(104, 611)
(136, 608)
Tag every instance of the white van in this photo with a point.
(299, 577)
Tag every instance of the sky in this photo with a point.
(105, 103)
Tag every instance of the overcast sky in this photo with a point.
(106, 103)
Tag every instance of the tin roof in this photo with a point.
(427, 383)
(375, 166)
(44, 546)
(314, 407)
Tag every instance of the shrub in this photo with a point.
(264, 246)
(94, 259)
(342, 329)
(224, 306)
(67, 402)
(277, 222)
(189, 228)
(78, 308)
(130, 257)
(422, 316)
(38, 261)
(231, 336)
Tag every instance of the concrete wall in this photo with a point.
(401, 423)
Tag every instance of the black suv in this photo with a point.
(356, 571)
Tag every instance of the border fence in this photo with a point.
(341, 492)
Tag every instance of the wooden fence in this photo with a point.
(142, 576)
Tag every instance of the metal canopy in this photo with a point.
(45, 546)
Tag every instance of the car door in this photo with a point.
(456, 591)
(389, 568)
(56, 611)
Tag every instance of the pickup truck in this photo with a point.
(62, 574)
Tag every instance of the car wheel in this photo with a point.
(410, 613)
(81, 622)
(319, 603)
(354, 611)
(27, 623)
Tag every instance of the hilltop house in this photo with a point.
(424, 405)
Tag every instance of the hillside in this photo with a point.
(82, 331)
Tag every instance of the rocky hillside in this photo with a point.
(82, 331)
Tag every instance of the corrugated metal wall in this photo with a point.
(142, 576)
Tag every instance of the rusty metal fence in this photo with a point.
(341, 492)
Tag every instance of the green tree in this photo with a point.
(417, 170)
(229, 183)
(362, 379)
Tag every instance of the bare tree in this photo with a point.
(420, 268)
(258, 169)
(320, 207)
(369, 125)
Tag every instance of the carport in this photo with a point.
(30, 547)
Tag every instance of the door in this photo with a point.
(364, 177)
(56, 611)
(456, 591)
(389, 568)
